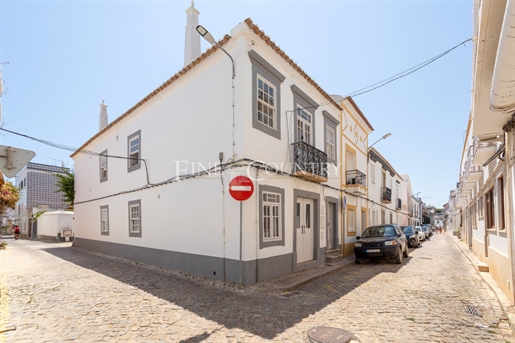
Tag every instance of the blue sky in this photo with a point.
(66, 56)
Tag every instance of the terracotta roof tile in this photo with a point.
(281, 53)
(359, 112)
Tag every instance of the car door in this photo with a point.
(402, 238)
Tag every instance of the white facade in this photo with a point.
(384, 191)
(141, 193)
(51, 225)
(485, 189)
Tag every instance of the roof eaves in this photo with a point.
(281, 53)
(356, 107)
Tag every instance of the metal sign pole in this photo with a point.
(241, 233)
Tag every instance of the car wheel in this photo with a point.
(406, 252)
(398, 258)
(358, 260)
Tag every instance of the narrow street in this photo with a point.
(57, 293)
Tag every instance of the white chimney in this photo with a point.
(102, 118)
(192, 41)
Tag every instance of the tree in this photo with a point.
(9, 196)
(66, 185)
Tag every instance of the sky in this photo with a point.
(60, 59)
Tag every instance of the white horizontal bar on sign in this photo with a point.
(241, 188)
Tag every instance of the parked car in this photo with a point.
(381, 241)
(427, 232)
(421, 233)
(411, 236)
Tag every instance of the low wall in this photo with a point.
(51, 224)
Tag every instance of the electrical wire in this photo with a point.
(218, 168)
(404, 73)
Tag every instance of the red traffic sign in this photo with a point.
(241, 188)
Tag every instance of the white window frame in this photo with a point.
(135, 218)
(103, 166)
(266, 102)
(304, 126)
(134, 151)
(104, 220)
(330, 142)
(272, 221)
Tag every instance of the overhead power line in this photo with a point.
(404, 73)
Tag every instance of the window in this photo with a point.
(271, 210)
(271, 216)
(372, 173)
(330, 146)
(490, 209)
(331, 143)
(363, 219)
(104, 220)
(500, 201)
(480, 207)
(304, 113)
(135, 218)
(266, 112)
(350, 160)
(103, 166)
(134, 151)
(351, 221)
(266, 96)
(303, 126)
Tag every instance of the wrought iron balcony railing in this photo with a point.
(308, 159)
(355, 177)
(386, 194)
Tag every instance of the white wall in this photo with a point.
(51, 223)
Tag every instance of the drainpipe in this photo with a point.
(342, 224)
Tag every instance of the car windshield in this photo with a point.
(408, 229)
(379, 231)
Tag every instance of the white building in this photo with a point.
(485, 191)
(152, 185)
(384, 191)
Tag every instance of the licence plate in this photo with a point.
(374, 250)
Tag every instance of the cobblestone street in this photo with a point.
(57, 293)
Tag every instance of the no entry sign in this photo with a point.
(241, 188)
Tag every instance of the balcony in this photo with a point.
(475, 173)
(309, 162)
(356, 182)
(386, 195)
(482, 152)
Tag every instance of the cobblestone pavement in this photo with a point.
(57, 293)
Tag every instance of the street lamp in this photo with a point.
(384, 137)
(207, 36)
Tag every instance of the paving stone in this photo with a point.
(94, 297)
